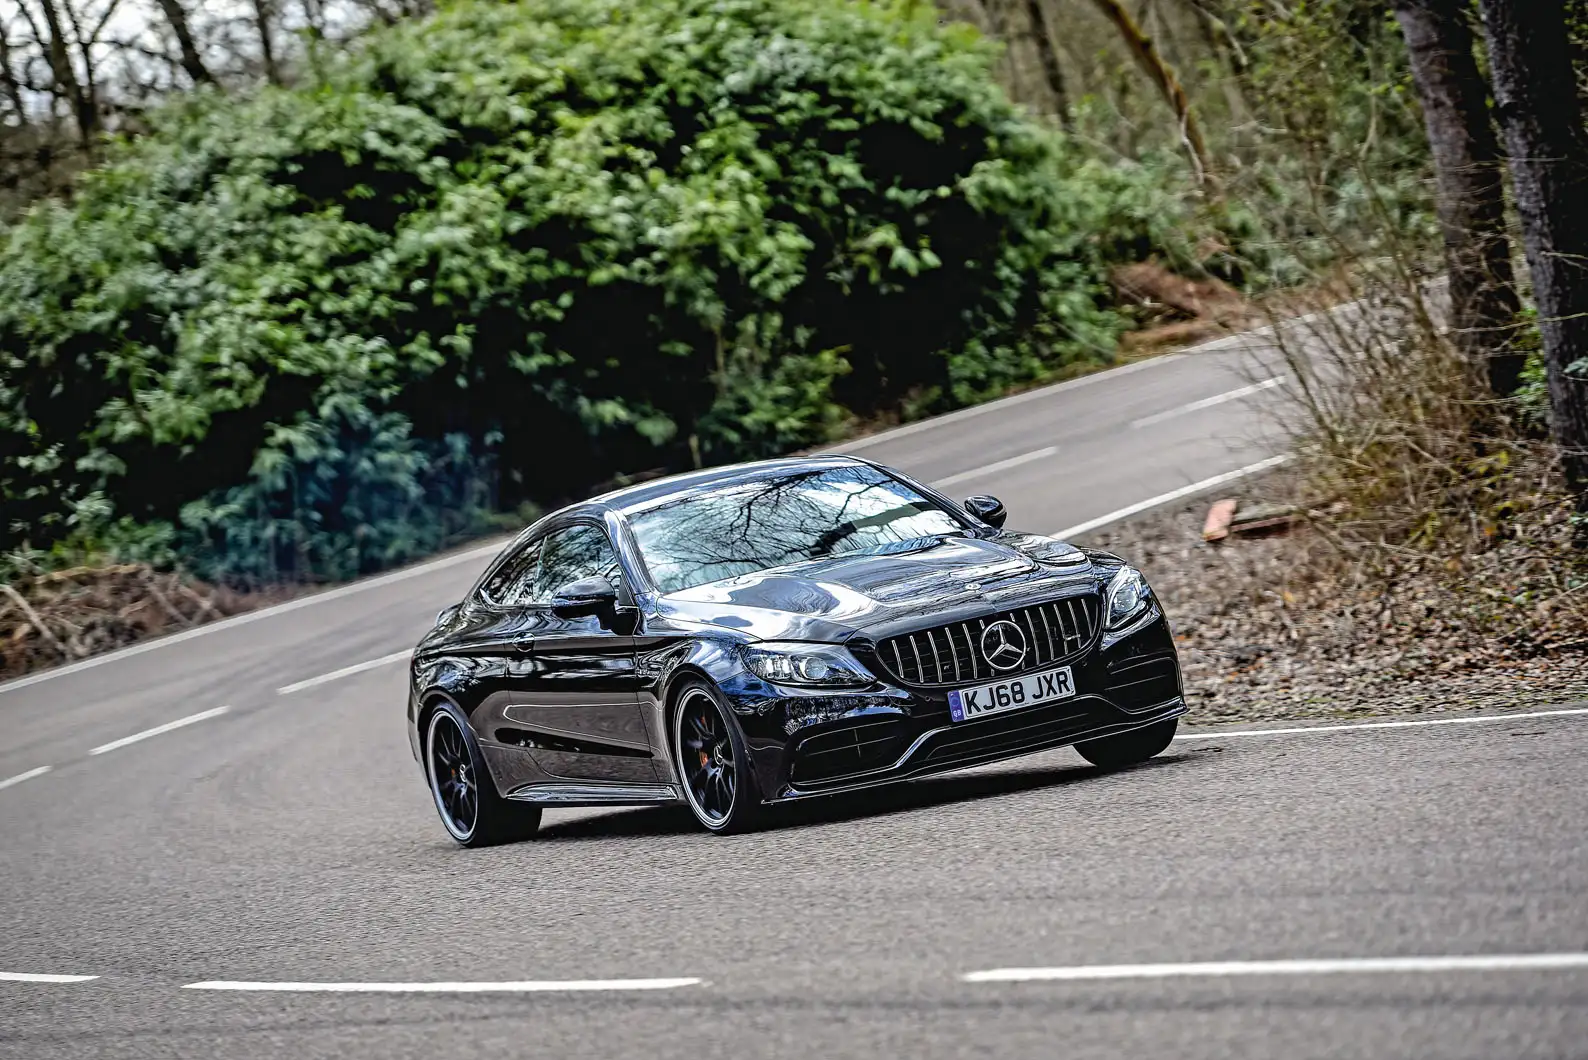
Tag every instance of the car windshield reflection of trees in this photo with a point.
(778, 521)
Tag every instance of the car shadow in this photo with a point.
(873, 802)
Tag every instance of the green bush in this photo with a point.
(513, 249)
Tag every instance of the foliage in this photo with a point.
(515, 248)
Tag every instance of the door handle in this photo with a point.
(523, 643)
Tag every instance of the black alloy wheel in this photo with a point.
(712, 763)
(1129, 748)
(465, 797)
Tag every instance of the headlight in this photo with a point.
(1128, 597)
(810, 665)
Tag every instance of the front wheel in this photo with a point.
(712, 763)
(1129, 748)
(473, 814)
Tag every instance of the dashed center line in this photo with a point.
(996, 466)
(29, 775)
(346, 671)
(1209, 402)
(1220, 969)
(35, 977)
(191, 719)
(531, 986)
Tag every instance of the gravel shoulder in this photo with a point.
(1263, 636)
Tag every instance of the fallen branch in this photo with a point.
(165, 601)
(37, 622)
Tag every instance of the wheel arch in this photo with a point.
(679, 679)
(429, 702)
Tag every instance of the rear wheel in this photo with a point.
(712, 763)
(471, 811)
(1128, 748)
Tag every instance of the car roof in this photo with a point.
(648, 494)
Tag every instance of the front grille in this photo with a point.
(868, 743)
(951, 654)
(1138, 683)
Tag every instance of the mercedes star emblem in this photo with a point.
(1003, 645)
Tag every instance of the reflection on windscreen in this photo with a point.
(770, 522)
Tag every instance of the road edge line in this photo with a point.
(324, 595)
(1410, 723)
(1168, 498)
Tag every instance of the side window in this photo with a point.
(577, 552)
(513, 581)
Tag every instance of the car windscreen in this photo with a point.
(789, 518)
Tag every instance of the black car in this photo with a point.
(748, 635)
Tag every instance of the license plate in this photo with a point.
(1028, 691)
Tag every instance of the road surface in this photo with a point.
(250, 866)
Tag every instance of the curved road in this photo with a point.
(226, 831)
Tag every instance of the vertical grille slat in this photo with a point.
(1054, 650)
(1037, 654)
(1055, 631)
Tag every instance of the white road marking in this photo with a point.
(34, 977)
(1003, 403)
(346, 671)
(1307, 729)
(533, 986)
(1219, 969)
(1173, 495)
(191, 719)
(1000, 465)
(1207, 403)
(29, 775)
(254, 616)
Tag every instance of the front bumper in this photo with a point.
(804, 745)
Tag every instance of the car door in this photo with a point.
(491, 648)
(578, 695)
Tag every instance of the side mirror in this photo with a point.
(988, 509)
(447, 614)
(587, 596)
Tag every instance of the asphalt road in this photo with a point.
(289, 840)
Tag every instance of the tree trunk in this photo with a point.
(1147, 57)
(192, 62)
(64, 75)
(1048, 59)
(1537, 102)
(267, 49)
(8, 80)
(1467, 172)
(1029, 75)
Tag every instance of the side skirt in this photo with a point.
(566, 794)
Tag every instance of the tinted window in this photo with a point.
(511, 582)
(749, 527)
(571, 554)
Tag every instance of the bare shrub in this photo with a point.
(1433, 509)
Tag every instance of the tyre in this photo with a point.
(473, 814)
(1128, 748)
(713, 764)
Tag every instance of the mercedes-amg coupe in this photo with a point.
(748, 635)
